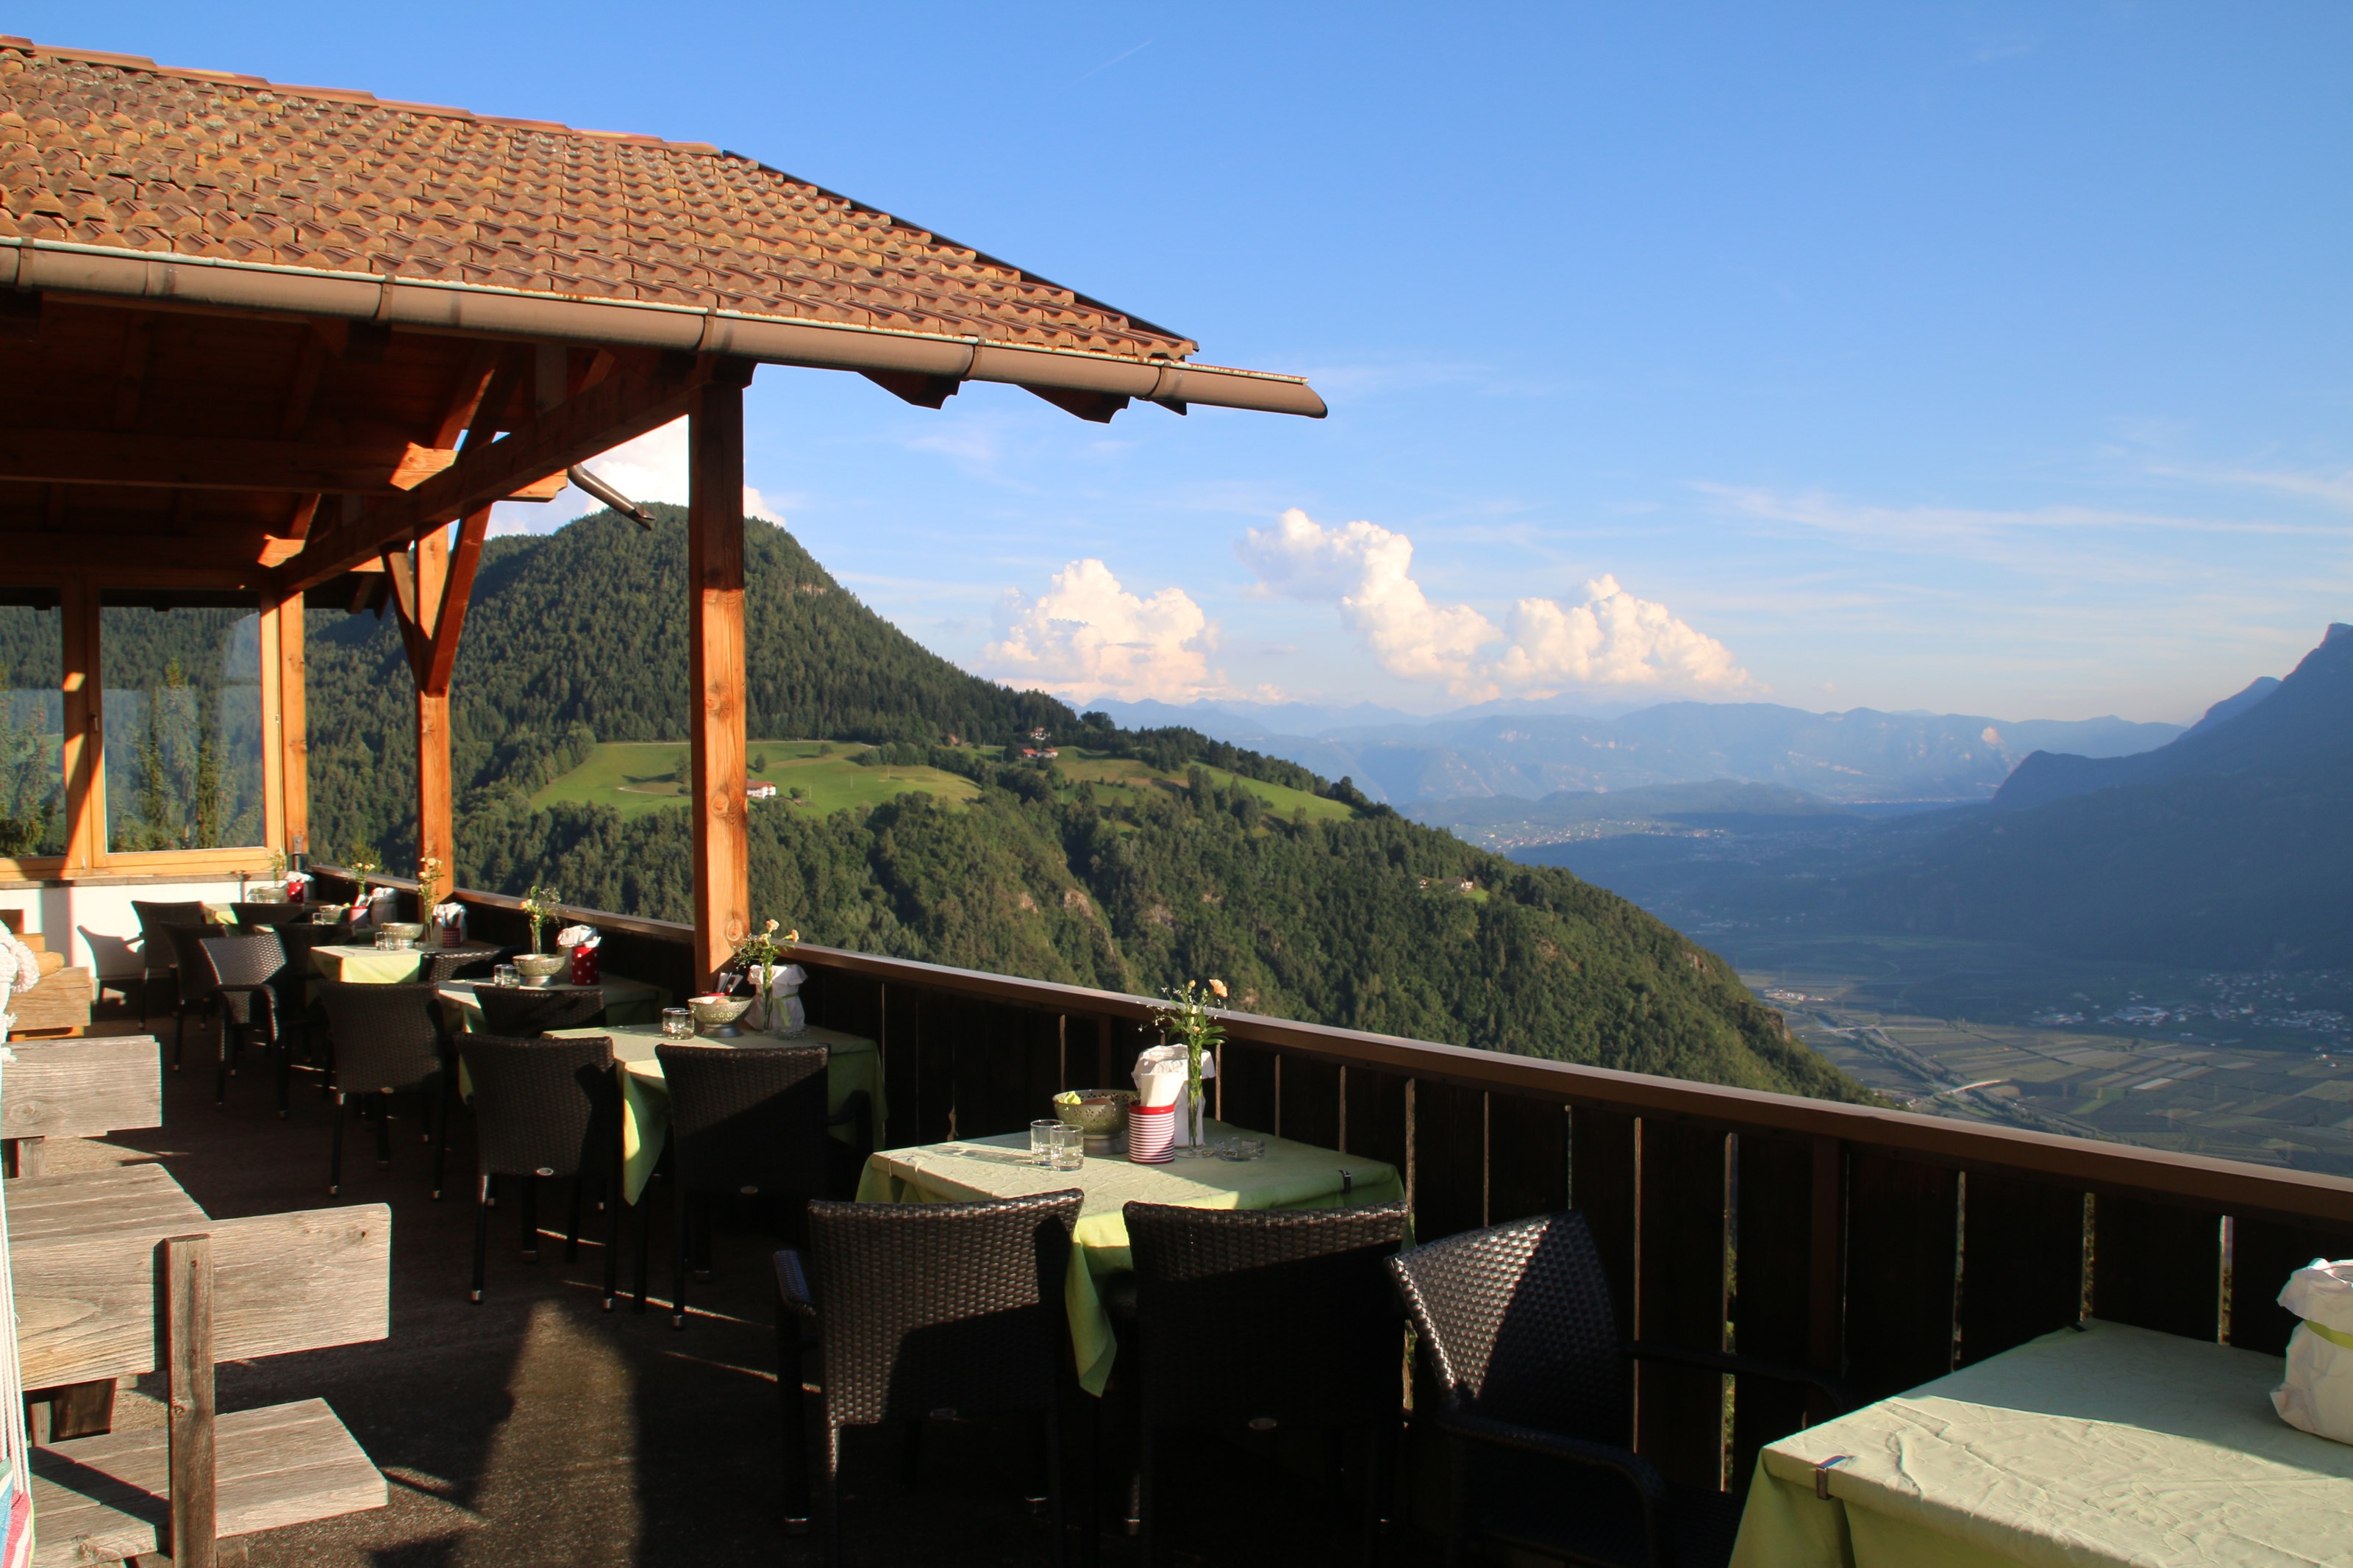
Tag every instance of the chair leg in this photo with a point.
(335, 1151)
(1054, 1508)
(481, 1236)
(572, 1235)
(440, 1140)
(221, 1074)
(1368, 1448)
(677, 1269)
(530, 1207)
(645, 1238)
(383, 1132)
(794, 1421)
(179, 1028)
(613, 1247)
(1146, 1511)
(285, 1048)
(832, 1495)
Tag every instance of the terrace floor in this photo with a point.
(537, 1428)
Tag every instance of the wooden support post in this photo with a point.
(715, 525)
(293, 735)
(273, 754)
(185, 1275)
(85, 721)
(435, 834)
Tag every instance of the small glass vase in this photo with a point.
(1196, 1109)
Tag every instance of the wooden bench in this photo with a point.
(77, 1089)
(86, 1255)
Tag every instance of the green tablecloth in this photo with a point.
(1291, 1176)
(2112, 1445)
(626, 1001)
(852, 1063)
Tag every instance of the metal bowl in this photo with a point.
(715, 1016)
(1100, 1113)
(410, 929)
(541, 968)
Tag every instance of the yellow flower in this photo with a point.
(1217, 989)
(772, 925)
(793, 935)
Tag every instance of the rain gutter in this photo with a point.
(427, 305)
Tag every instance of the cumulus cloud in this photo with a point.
(1611, 639)
(652, 468)
(1087, 637)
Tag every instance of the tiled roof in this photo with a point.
(114, 150)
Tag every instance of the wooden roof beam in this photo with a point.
(200, 462)
(619, 409)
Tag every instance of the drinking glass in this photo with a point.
(506, 975)
(1070, 1149)
(1045, 1137)
(384, 942)
(678, 1023)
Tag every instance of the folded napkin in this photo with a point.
(576, 936)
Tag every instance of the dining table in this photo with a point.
(1288, 1175)
(853, 1063)
(2106, 1445)
(627, 1001)
(356, 964)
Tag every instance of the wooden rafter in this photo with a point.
(131, 383)
(465, 396)
(600, 417)
(310, 364)
(196, 462)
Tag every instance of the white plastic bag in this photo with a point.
(2318, 1393)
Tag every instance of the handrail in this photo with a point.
(2199, 1178)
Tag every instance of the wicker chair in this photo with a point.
(744, 1119)
(277, 912)
(920, 1308)
(1307, 1331)
(520, 1013)
(443, 965)
(247, 975)
(1521, 1337)
(193, 983)
(388, 1040)
(545, 1109)
(155, 952)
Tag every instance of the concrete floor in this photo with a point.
(537, 1428)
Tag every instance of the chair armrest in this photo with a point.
(792, 1284)
(1830, 1388)
(1457, 1422)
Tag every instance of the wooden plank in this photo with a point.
(273, 754)
(100, 1499)
(140, 1196)
(1309, 1101)
(60, 1001)
(82, 1089)
(2021, 1262)
(210, 462)
(1901, 1241)
(2264, 1253)
(1680, 1298)
(1602, 1186)
(1244, 1093)
(1772, 1303)
(189, 1414)
(1376, 1122)
(715, 653)
(457, 592)
(1527, 1157)
(2157, 1265)
(84, 711)
(283, 1282)
(1450, 1160)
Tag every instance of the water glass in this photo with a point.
(1243, 1149)
(506, 975)
(678, 1023)
(383, 943)
(1045, 1138)
(1070, 1149)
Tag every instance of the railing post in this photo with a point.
(185, 1265)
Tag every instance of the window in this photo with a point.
(32, 725)
(184, 735)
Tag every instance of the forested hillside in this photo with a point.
(1364, 921)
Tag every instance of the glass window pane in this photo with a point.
(182, 727)
(32, 727)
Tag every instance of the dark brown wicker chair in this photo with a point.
(156, 955)
(443, 965)
(545, 1109)
(275, 914)
(388, 1040)
(247, 975)
(1308, 1334)
(920, 1308)
(519, 1012)
(745, 1121)
(1519, 1330)
(192, 981)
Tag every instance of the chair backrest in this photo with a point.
(544, 1107)
(386, 1037)
(238, 964)
(1518, 1324)
(520, 1013)
(443, 965)
(196, 975)
(154, 921)
(270, 914)
(746, 1119)
(924, 1307)
(1295, 1300)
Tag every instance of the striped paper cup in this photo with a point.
(1151, 1133)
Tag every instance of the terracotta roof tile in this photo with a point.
(113, 149)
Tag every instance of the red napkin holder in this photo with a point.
(587, 962)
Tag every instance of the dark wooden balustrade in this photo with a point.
(1882, 1247)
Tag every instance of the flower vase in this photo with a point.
(1196, 1103)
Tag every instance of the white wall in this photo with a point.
(94, 925)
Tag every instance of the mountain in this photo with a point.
(1858, 755)
(1141, 859)
(2231, 707)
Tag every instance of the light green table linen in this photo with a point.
(852, 1063)
(1290, 1176)
(2110, 1447)
(626, 1001)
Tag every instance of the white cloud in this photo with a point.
(1087, 637)
(1612, 640)
(654, 466)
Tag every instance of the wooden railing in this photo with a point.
(1879, 1246)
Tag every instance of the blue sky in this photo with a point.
(1977, 358)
